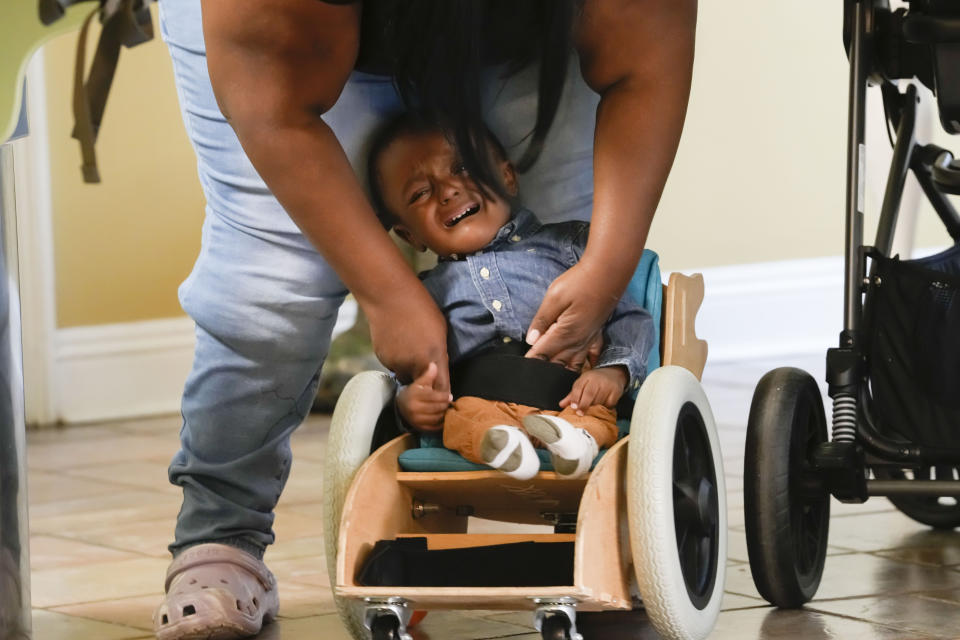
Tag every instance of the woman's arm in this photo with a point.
(638, 55)
(276, 66)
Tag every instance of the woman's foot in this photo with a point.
(216, 592)
(508, 449)
(572, 450)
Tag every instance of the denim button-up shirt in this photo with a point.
(492, 295)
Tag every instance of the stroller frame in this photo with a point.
(873, 32)
(787, 514)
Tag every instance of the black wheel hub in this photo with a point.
(809, 512)
(695, 505)
(385, 627)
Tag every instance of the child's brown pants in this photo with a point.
(466, 422)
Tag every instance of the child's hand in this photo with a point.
(597, 386)
(421, 405)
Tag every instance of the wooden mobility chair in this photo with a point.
(650, 520)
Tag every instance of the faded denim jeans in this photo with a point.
(265, 301)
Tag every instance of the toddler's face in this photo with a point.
(439, 206)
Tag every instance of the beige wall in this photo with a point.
(122, 246)
(759, 175)
(761, 167)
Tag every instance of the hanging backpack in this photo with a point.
(125, 23)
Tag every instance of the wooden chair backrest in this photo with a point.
(682, 297)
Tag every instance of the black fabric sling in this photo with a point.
(406, 562)
(913, 308)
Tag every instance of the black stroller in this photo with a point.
(895, 378)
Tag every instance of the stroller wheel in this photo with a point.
(786, 526)
(934, 511)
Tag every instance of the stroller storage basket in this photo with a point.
(913, 309)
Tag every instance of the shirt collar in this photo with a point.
(522, 225)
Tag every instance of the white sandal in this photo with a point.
(509, 450)
(216, 592)
(572, 450)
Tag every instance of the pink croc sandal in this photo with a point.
(216, 592)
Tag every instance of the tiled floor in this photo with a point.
(101, 514)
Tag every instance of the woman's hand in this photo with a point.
(597, 386)
(568, 327)
(421, 404)
(409, 334)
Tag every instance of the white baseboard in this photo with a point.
(769, 309)
(117, 371)
(750, 311)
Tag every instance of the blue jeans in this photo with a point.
(265, 301)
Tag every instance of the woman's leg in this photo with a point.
(264, 302)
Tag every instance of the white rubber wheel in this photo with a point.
(676, 505)
(348, 446)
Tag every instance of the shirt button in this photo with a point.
(515, 239)
(507, 339)
(485, 273)
(497, 305)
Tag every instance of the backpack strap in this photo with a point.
(125, 23)
(83, 129)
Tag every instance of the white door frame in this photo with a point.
(34, 215)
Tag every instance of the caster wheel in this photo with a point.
(385, 627)
(933, 511)
(555, 627)
(786, 525)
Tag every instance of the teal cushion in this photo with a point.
(645, 288)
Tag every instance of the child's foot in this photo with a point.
(571, 449)
(508, 449)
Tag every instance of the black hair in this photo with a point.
(412, 123)
(441, 76)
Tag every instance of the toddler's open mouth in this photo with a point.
(463, 215)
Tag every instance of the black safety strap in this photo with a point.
(504, 374)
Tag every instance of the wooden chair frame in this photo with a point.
(381, 499)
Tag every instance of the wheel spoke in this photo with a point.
(690, 559)
(706, 557)
(709, 515)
